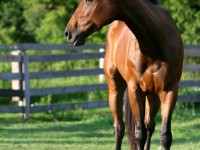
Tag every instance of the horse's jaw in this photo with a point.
(79, 40)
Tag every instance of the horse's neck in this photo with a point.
(144, 20)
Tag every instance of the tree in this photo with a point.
(44, 21)
(11, 25)
(38, 21)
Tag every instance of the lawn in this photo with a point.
(87, 130)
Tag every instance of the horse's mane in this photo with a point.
(154, 2)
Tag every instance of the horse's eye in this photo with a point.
(88, 1)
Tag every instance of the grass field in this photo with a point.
(87, 130)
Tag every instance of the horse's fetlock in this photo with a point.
(166, 139)
(138, 136)
(119, 130)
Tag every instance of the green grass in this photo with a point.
(87, 130)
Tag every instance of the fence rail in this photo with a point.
(23, 75)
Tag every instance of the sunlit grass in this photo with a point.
(87, 130)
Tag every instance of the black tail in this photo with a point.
(129, 124)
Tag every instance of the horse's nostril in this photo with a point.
(66, 33)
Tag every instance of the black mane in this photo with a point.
(154, 2)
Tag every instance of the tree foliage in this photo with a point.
(186, 13)
(43, 21)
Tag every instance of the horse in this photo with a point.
(122, 42)
(146, 57)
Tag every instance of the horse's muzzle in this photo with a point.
(75, 38)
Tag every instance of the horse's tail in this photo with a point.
(129, 124)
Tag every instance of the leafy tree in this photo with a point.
(11, 25)
(43, 21)
(38, 21)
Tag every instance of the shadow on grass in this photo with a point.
(49, 130)
(58, 133)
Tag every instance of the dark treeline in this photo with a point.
(43, 21)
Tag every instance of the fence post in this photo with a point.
(26, 99)
(101, 61)
(17, 84)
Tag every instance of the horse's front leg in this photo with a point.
(168, 100)
(117, 86)
(137, 101)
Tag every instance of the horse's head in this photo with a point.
(89, 17)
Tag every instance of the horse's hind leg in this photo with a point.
(168, 100)
(152, 107)
(117, 86)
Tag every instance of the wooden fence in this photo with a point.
(21, 75)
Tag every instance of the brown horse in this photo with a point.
(122, 50)
(150, 68)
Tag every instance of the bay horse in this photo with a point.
(149, 64)
(121, 44)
